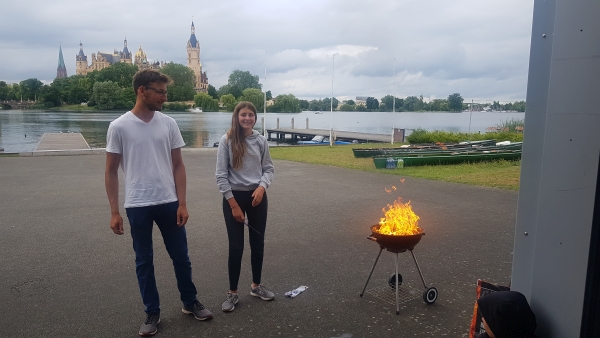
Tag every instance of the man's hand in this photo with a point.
(116, 224)
(257, 195)
(182, 215)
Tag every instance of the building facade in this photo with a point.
(193, 60)
(103, 60)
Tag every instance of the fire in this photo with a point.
(399, 220)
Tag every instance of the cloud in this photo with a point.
(477, 48)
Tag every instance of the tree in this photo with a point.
(243, 80)
(3, 90)
(388, 103)
(438, 105)
(269, 95)
(206, 102)
(30, 88)
(229, 102)
(455, 102)
(107, 95)
(350, 102)
(212, 91)
(51, 96)
(120, 73)
(255, 96)
(412, 103)
(347, 107)
(184, 81)
(519, 106)
(229, 89)
(14, 92)
(286, 104)
(372, 103)
(304, 104)
(314, 105)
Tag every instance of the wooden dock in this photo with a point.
(307, 134)
(62, 141)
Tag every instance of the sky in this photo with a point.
(310, 48)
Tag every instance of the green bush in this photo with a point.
(176, 106)
(511, 125)
(424, 136)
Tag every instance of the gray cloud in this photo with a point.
(477, 48)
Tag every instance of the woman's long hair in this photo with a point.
(235, 134)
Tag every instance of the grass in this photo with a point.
(498, 174)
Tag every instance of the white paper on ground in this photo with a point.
(296, 291)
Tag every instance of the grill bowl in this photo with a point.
(395, 243)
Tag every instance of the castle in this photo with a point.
(103, 60)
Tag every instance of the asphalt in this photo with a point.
(65, 274)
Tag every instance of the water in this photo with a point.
(21, 130)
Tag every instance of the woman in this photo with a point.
(244, 172)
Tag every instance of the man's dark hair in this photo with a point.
(145, 77)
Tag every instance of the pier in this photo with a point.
(307, 134)
(62, 141)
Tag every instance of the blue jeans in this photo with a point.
(141, 221)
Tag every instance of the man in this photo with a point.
(147, 145)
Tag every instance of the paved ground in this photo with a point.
(64, 274)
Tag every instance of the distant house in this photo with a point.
(361, 100)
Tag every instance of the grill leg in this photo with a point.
(371, 273)
(397, 303)
(418, 268)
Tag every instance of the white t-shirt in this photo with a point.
(146, 157)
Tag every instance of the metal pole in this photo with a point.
(396, 278)
(393, 99)
(418, 268)
(331, 115)
(265, 105)
(371, 273)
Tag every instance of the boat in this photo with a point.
(196, 110)
(411, 161)
(321, 140)
(318, 112)
(490, 145)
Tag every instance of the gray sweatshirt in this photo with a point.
(257, 166)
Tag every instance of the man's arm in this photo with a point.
(111, 182)
(180, 186)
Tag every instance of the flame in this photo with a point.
(399, 220)
(389, 191)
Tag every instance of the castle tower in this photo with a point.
(81, 65)
(61, 71)
(140, 59)
(125, 54)
(193, 51)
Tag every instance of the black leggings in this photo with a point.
(257, 223)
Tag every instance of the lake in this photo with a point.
(21, 130)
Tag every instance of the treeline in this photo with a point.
(110, 88)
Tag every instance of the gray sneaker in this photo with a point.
(149, 326)
(198, 310)
(262, 292)
(229, 303)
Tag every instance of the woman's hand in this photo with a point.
(238, 214)
(257, 195)
(236, 211)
